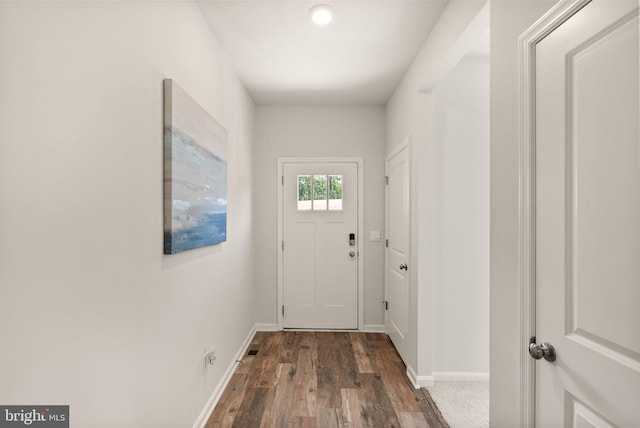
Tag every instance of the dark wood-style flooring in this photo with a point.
(323, 380)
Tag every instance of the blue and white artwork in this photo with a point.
(195, 174)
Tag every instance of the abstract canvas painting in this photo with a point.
(195, 174)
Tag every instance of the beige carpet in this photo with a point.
(462, 404)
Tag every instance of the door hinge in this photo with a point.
(283, 310)
(386, 180)
(282, 245)
(386, 305)
(282, 180)
(386, 243)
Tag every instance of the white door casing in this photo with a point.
(581, 215)
(319, 268)
(397, 249)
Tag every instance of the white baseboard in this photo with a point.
(368, 328)
(266, 327)
(461, 376)
(374, 328)
(217, 392)
(419, 381)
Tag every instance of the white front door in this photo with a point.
(320, 245)
(397, 290)
(587, 219)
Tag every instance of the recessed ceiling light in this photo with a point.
(321, 14)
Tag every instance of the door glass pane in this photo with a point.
(304, 193)
(320, 192)
(335, 193)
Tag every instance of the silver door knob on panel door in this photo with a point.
(352, 254)
(543, 350)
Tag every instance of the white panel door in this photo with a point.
(397, 293)
(320, 215)
(587, 177)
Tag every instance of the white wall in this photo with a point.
(318, 131)
(509, 19)
(411, 113)
(92, 314)
(461, 220)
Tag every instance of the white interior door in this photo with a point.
(587, 223)
(397, 290)
(320, 245)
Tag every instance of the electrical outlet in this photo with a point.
(209, 357)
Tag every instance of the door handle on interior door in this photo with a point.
(403, 266)
(543, 350)
(352, 254)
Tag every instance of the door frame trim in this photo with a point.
(527, 42)
(360, 218)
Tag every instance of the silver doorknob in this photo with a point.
(543, 350)
(352, 254)
(403, 266)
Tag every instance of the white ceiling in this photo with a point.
(282, 58)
